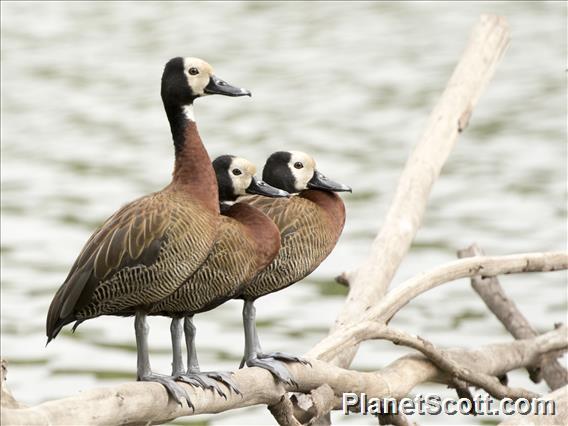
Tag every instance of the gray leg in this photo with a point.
(253, 352)
(252, 343)
(190, 331)
(176, 330)
(142, 329)
(144, 371)
(206, 380)
(253, 347)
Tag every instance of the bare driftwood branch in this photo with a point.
(322, 401)
(507, 312)
(462, 390)
(348, 336)
(445, 363)
(369, 282)
(283, 412)
(143, 403)
(7, 400)
(558, 418)
(399, 419)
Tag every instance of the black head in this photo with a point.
(222, 166)
(295, 171)
(235, 177)
(185, 79)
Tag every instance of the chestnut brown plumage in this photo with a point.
(139, 255)
(246, 243)
(147, 249)
(310, 224)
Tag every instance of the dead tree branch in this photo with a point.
(143, 403)
(490, 290)
(560, 417)
(336, 343)
(7, 400)
(370, 281)
(445, 363)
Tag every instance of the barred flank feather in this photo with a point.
(140, 255)
(310, 225)
(247, 242)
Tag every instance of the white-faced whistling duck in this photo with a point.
(247, 242)
(149, 247)
(310, 224)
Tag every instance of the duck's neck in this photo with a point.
(261, 229)
(193, 172)
(330, 203)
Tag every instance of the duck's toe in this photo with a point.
(177, 392)
(277, 368)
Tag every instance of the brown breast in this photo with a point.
(310, 225)
(261, 229)
(247, 241)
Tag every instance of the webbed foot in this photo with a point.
(276, 367)
(210, 380)
(177, 392)
(281, 356)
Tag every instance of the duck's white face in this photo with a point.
(241, 173)
(303, 167)
(198, 73)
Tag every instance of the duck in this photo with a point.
(310, 223)
(247, 242)
(146, 250)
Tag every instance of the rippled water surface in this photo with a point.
(83, 132)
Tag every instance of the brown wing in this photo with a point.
(246, 243)
(132, 236)
(230, 264)
(277, 209)
(307, 238)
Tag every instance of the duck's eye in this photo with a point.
(193, 71)
(298, 165)
(237, 172)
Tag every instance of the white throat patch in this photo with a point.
(188, 112)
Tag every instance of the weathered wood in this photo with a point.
(490, 290)
(7, 400)
(560, 396)
(147, 403)
(370, 281)
(331, 348)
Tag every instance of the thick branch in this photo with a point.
(335, 344)
(450, 116)
(443, 361)
(321, 401)
(283, 412)
(7, 400)
(490, 290)
(143, 403)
